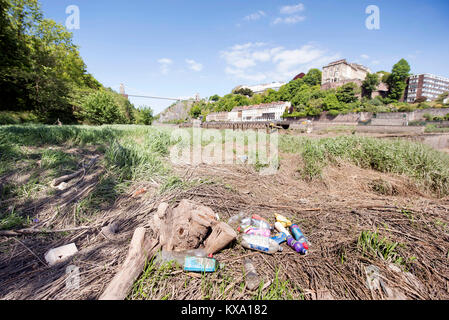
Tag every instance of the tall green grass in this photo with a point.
(427, 166)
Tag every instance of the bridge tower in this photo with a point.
(122, 90)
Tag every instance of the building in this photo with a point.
(340, 72)
(427, 86)
(261, 112)
(218, 117)
(261, 88)
(299, 76)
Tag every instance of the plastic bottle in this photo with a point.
(251, 277)
(279, 227)
(236, 220)
(296, 245)
(246, 222)
(283, 220)
(179, 256)
(299, 236)
(259, 243)
(259, 222)
(255, 231)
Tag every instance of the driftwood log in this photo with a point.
(190, 226)
(140, 249)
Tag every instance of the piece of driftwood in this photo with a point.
(222, 234)
(56, 182)
(23, 232)
(140, 249)
(189, 226)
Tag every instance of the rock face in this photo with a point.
(178, 111)
(189, 226)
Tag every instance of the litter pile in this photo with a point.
(330, 263)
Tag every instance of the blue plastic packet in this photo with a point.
(280, 238)
(197, 264)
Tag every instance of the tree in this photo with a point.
(313, 77)
(331, 102)
(347, 93)
(442, 97)
(289, 90)
(145, 116)
(397, 80)
(101, 108)
(244, 91)
(40, 67)
(370, 84)
(195, 111)
(215, 98)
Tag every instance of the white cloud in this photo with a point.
(259, 62)
(255, 16)
(364, 56)
(193, 65)
(165, 65)
(289, 20)
(165, 61)
(292, 9)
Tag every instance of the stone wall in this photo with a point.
(390, 129)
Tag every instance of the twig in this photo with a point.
(16, 233)
(30, 251)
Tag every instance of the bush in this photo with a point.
(145, 116)
(10, 117)
(421, 100)
(101, 108)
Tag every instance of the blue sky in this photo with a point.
(176, 48)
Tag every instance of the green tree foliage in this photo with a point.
(215, 98)
(370, 84)
(40, 68)
(313, 77)
(145, 116)
(347, 93)
(244, 92)
(397, 80)
(101, 107)
(331, 103)
(195, 111)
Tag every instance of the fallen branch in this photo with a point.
(56, 182)
(16, 233)
(140, 250)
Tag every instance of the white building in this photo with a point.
(261, 88)
(261, 112)
(341, 70)
(218, 117)
(427, 86)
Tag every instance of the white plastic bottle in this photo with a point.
(259, 243)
